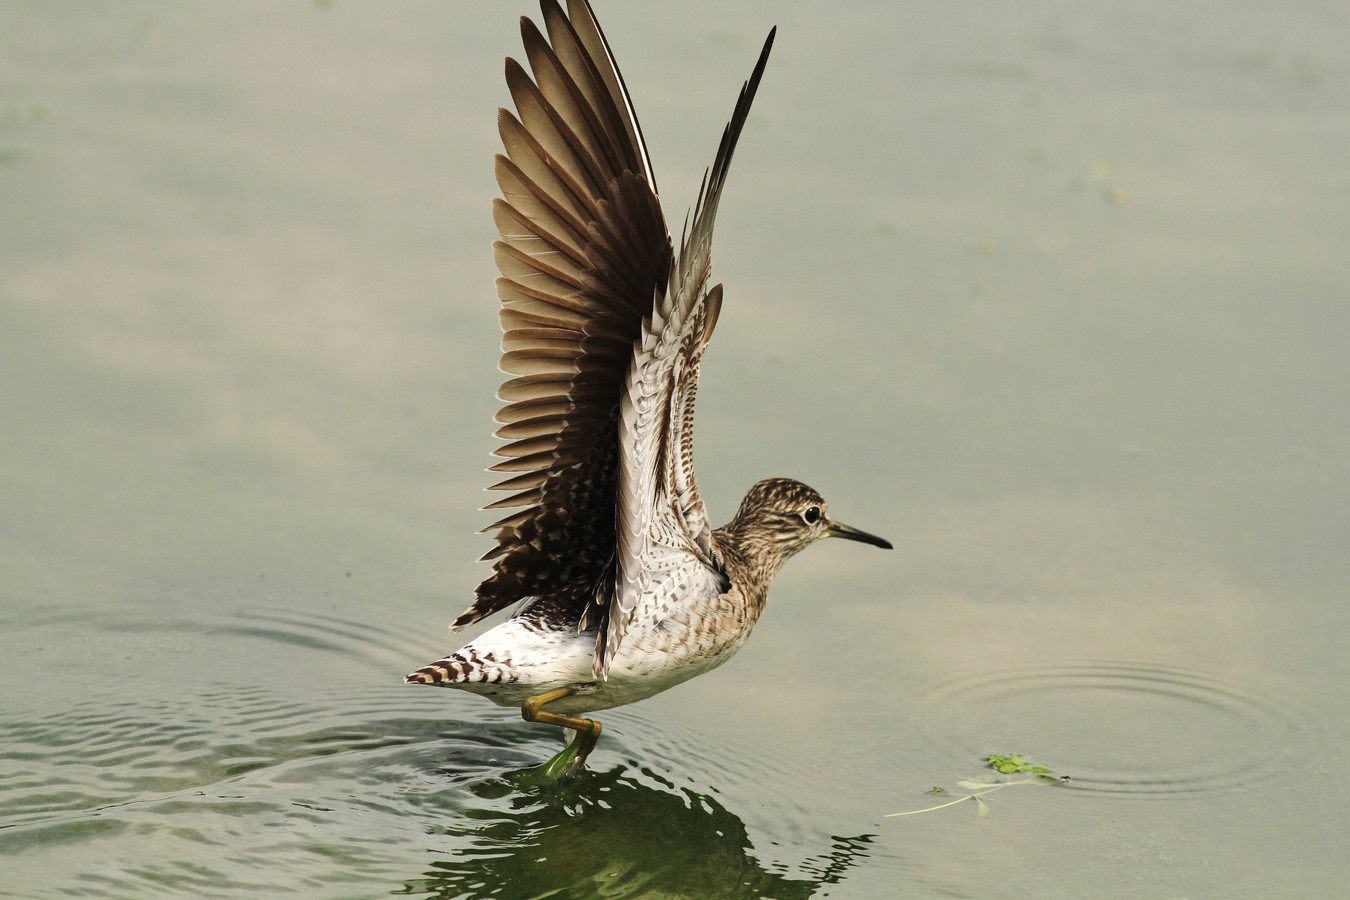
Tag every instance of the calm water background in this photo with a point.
(1053, 295)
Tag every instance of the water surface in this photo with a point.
(1053, 297)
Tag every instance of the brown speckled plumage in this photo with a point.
(622, 587)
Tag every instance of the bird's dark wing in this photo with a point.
(584, 255)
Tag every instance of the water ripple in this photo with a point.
(242, 778)
(1120, 727)
(266, 739)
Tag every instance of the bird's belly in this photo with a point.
(660, 649)
(653, 659)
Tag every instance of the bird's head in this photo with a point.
(780, 517)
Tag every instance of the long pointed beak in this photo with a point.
(840, 530)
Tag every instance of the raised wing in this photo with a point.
(584, 254)
(665, 548)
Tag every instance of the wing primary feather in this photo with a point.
(571, 89)
(711, 193)
(592, 38)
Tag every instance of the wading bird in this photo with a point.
(623, 589)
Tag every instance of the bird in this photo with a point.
(621, 586)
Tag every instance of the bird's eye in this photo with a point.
(811, 515)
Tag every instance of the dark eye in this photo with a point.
(811, 514)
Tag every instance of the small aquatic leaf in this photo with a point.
(986, 784)
(1011, 763)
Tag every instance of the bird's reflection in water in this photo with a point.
(621, 833)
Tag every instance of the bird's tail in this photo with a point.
(460, 668)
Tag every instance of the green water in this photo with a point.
(1054, 297)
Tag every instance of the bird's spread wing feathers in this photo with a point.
(583, 252)
(603, 332)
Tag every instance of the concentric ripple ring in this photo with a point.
(1121, 727)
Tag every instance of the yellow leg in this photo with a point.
(572, 758)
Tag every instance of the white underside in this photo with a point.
(650, 660)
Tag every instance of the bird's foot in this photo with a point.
(566, 763)
(572, 758)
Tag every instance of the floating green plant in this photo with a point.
(1011, 764)
(1014, 763)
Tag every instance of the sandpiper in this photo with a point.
(623, 587)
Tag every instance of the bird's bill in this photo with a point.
(840, 530)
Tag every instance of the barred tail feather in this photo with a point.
(461, 668)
